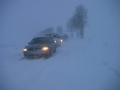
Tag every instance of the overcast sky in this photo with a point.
(22, 19)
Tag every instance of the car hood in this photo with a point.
(36, 45)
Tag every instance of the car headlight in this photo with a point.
(25, 49)
(61, 40)
(55, 41)
(45, 48)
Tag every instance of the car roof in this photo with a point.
(41, 37)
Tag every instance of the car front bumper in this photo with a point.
(34, 53)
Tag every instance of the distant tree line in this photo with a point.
(59, 30)
(78, 21)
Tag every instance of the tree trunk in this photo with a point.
(71, 33)
(82, 33)
(77, 33)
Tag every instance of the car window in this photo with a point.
(39, 40)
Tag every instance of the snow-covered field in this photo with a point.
(92, 63)
(77, 65)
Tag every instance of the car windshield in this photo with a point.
(54, 36)
(50, 35)
(39, 41)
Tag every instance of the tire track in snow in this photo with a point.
(112, 69)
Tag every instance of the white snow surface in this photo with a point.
(77, 65)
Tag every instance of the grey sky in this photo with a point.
(21, 19)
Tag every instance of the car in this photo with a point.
(56, 38)
(40, 46)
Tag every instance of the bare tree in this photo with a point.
(71, 25)
(78, 21)
(81, 19)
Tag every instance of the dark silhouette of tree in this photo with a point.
(81, 19)
(78, 21)
(71, 25)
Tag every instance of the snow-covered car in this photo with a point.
(40, 46)
(56, 38)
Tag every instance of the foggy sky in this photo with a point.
(22, 19)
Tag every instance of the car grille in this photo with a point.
(32, 49)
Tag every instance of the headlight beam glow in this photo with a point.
(25, 49)
(45, 48)
(61, 40)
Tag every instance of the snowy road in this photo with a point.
(77, 65)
